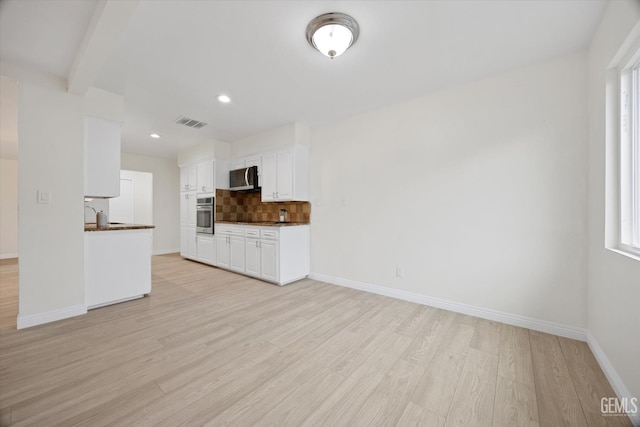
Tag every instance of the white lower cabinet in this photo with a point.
(252, 256)
(261, 258)
(269, 260)
(222, 251)
(206, 249)
(188, 243)
(117, 266)
(230, 248)
(236, 254)
(274, 254)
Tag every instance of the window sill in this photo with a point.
(629, 253)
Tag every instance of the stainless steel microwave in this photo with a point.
(245, 179)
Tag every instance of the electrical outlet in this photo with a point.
(44, 197)
(399, 272)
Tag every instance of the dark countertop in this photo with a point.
(263, 224)
(115, 226)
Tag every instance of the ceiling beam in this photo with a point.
(107, 25)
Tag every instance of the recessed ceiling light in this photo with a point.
(154, 136)
(224, 98)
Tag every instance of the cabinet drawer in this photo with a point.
(270, 234)
(252, 232)
(233, 231)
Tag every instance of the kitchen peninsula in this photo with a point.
(117, 262)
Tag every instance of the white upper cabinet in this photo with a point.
(188, 212)
(198, 177)
(268, 180)
(204, 177)
(101, 157)
(253, 161)
(247, 162)
(188, 178)
(285, 175)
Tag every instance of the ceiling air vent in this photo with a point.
(186, 121)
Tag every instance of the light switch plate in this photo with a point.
(44, 197)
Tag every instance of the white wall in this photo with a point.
(286, 136)
(478, 192)
(203, 151)
(50, 236)
(613, 279)
(166, 198)
(8, 208)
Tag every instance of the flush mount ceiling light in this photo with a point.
(332, 33)
(154, 135)
(224, 99)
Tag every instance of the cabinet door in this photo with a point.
(192, 177)
(284, 176)
(252, 255)
(268, 178)
(192, 247)
(222, 251)
(184, 236)
(192, 212)
(269, 260)
(184, 208)
(204, 177)
(102, 158)
(184, 178)
(206, 249)
(236, 253)
(188, 178)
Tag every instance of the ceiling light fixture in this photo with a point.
(224, 98)
(332, 33)
(154, 136)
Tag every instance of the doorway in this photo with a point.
(9, 289)
(135, 203)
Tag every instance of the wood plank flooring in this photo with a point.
(209, 347)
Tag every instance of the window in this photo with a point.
(630, 153)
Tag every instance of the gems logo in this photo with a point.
(612, 406)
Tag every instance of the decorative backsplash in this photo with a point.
(247, 207)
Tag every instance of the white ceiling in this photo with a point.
(175, 57)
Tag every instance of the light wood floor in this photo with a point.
(209, 347)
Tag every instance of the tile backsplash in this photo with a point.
(247, 207)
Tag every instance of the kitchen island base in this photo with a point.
(117, 266)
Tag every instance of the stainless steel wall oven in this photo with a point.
(205, 215)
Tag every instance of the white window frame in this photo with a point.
(629, 166)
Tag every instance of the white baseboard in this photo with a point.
(50, 316)
(612, 375)
(484, 313)
(165, 251)
(7, 256)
